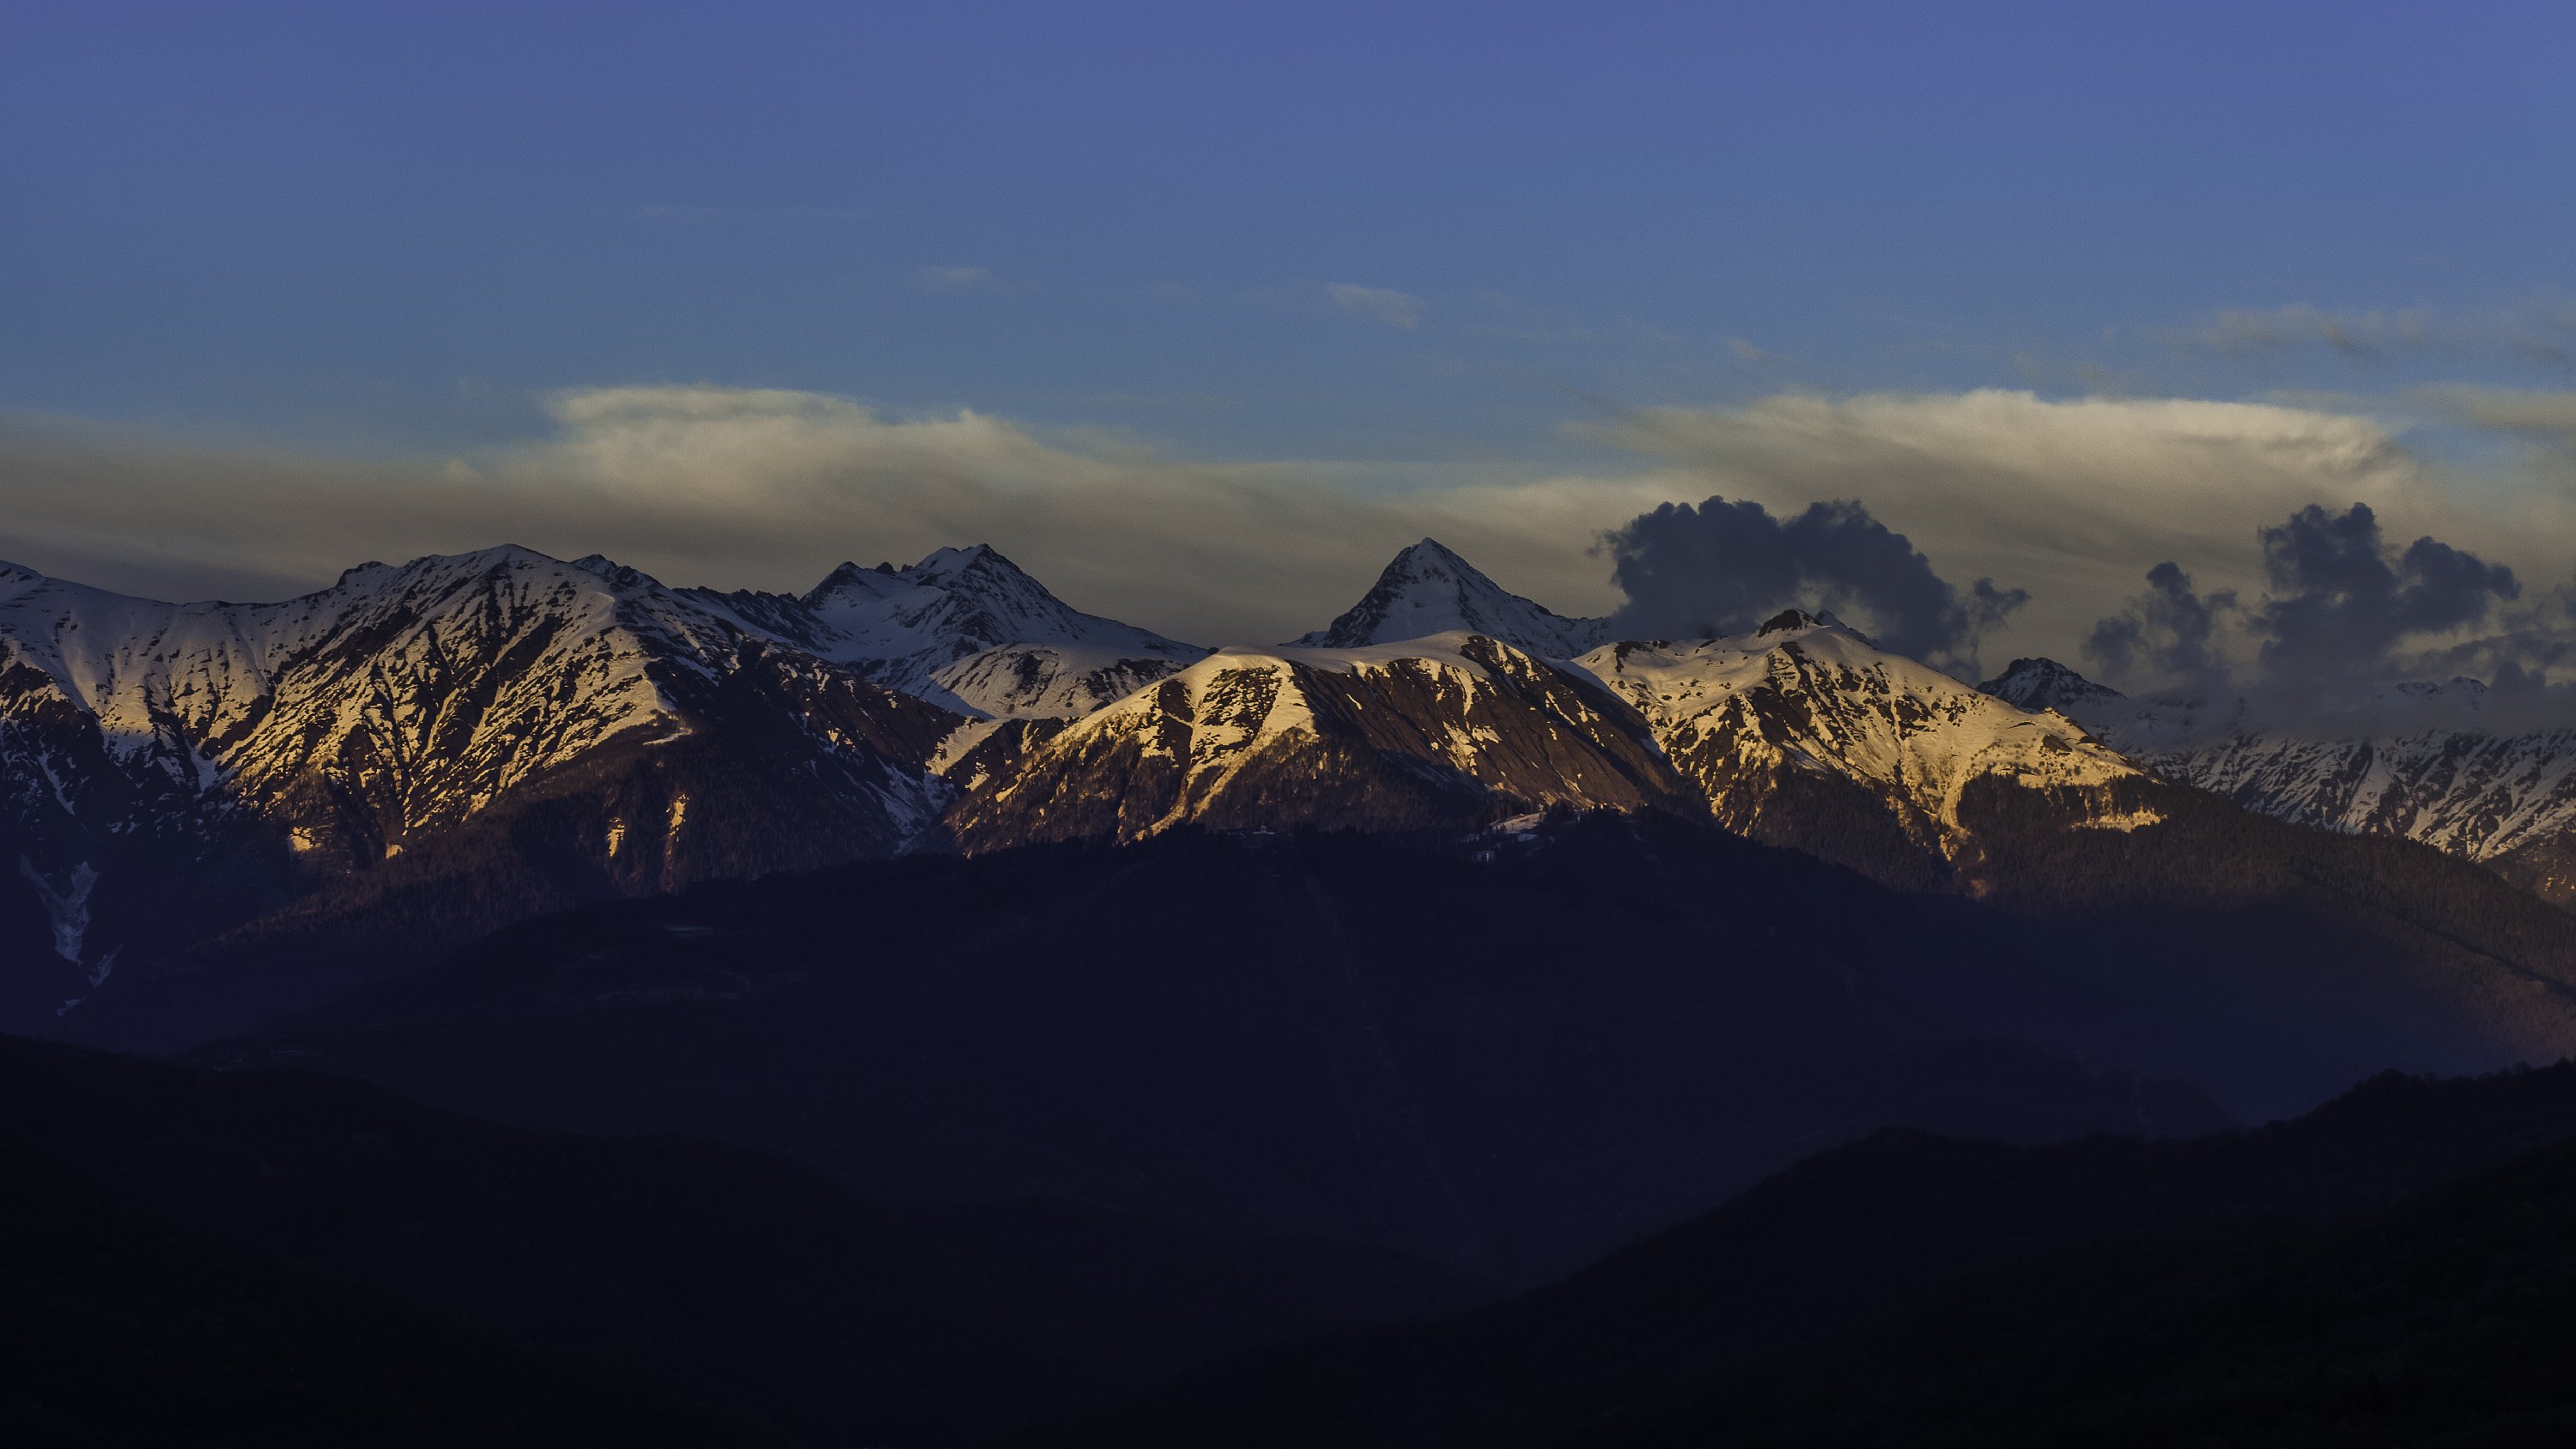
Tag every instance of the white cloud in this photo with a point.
(1395, 309)
(955, 276)
(770, 488)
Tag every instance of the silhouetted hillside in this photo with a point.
(1516, 1063)
(194, 1246)
(2310, 1278)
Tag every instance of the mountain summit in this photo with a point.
(1428, 589)
(2044, 684)
(970, 630)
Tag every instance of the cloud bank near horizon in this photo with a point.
(2071, 501)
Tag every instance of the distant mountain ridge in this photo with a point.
(168, 767)
(379, 770)
(2420, 764)
(1454, 730)
(168, 771)
(966, 628)
(1804, 721)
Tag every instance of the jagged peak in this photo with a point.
(511, 554)
(939, 566)
(617, 575)
(946, 562)
(1428, 588)
(2042, 683)
(499, 558)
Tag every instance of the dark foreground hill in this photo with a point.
(279, 1258)
(2397, 1268)
(1514, 1065)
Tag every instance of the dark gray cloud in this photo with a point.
(2342, 613)
(1717, 568)
(2341, 600)
(2169, 634)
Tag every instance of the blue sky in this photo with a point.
(1404, 242)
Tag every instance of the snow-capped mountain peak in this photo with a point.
(969, 629)
(2044, 684)
(147, 744)
(1428, 589)
(1764, 720)
(2423, 760)
(1450, 730)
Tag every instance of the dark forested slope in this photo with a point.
(195, 1245)
(2315, 1281)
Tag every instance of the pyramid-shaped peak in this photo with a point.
(2040, 683)
(499, 555)
(1427, 588)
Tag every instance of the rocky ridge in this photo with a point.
(169, 770)
(1804, 733)
(2418, 763)
(1457, 729)
(185, 768)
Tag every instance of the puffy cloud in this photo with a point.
(1719, 567)
(2342, 599)
(2343, 613)
(1395, 309)
(2070, 499)
(955, 276)
(2167, 636)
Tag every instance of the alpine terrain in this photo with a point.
(2421, 762)
(454, 742)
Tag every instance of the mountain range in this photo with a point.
(639, 1003)
(2422, 761)
(218, 812)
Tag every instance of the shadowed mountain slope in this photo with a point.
(1612, 1023)
(1509, 1064)
(1912, 1289)
(585, 1275)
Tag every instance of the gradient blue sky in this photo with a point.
(393, 232)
